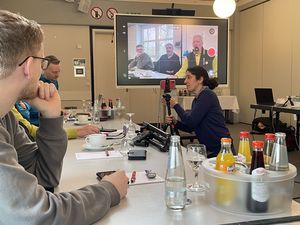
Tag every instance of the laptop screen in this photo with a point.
(264, 96)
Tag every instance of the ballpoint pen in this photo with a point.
(133, 177)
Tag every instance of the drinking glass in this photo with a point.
(195, 155)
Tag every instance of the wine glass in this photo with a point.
(195, 155)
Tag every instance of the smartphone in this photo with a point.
(101, 174)
(107, 130)
(137, 154)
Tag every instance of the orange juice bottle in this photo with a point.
(244, 146)
(225, 188)
(225, 159)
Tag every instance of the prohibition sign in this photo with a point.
(110, 12)
(96, 13)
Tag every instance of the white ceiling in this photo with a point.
(193, 2)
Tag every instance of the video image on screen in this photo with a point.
(164, 50)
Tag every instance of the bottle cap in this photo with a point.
(175, 138)
(226, 140)
(269, 136)
(257, 144)
(279, 134)
(244, 134)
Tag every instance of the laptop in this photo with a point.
(264, 96)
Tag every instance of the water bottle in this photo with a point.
(175, 182)
(269, 142)
(279, 158)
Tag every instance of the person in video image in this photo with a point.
(29, 168)
(199, 57)
(31, 129)
(142, 60)
(52, 72)
(168, 63)
(205, 117)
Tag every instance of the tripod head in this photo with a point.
(288, 100)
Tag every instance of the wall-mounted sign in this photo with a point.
(110, 12)
(79, 67)
(96, 13)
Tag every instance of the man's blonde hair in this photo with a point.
(19, 38)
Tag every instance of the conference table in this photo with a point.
(144, 204)
(278, 110)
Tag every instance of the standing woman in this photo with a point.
(205, 117)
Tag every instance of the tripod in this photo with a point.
(173, 130)
(288, 100)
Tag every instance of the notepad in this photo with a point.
(97, 155)
(141, 178)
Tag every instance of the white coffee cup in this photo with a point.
(96, 140)
(82, 118)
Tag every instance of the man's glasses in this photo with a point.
(44, 64)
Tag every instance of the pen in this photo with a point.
(133, 176)
(106, 152)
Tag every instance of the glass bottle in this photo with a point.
(110, 104)
(225, 188)
(225, 160)
(103, 104)
(175, 182)
(279, 157)
(244, 146)
(269, 142)
(96, 113)
(258, 194)
(257, 156)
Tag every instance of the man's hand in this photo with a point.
(120, 181)
(47, 100)
(86, 130)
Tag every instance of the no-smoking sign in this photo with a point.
(110, 12)
(96, 13)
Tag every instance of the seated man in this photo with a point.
(168, 63)
(71, 132)
(27, 167)
(199, 57)
(27, 112)
(52, 72)
(142, 60)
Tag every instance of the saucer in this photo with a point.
(94, 148)
(81, 123)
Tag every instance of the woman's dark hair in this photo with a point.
(199, 72)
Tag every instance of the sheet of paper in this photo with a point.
(141, 178)
(97, 155)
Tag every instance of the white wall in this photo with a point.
(268, 49)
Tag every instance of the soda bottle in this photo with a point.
(279, 157)
(269, 142)
(225, 188)
(110, 104)
(225, 159)
(257, 156)
(175, 182)
(244, 146)
(258, 194)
